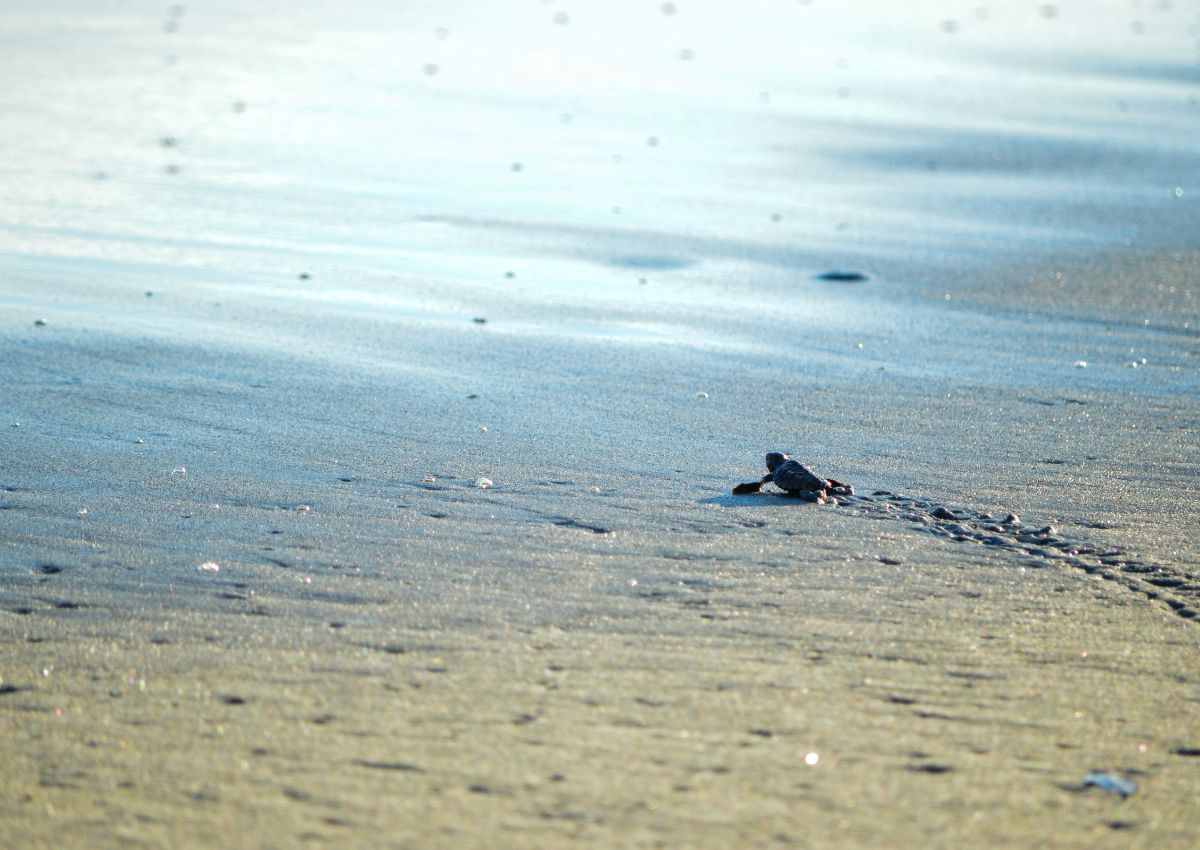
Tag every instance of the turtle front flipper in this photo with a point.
(750, 487)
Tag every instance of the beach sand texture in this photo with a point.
(374, 381)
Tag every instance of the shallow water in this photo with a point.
(724, 155)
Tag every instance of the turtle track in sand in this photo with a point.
(1041, 547)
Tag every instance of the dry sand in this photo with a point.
(267, 361)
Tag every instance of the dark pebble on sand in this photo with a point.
(843, 276)
(479, 320)
(930, 768)
(942, 513)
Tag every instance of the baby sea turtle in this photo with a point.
(796, 479)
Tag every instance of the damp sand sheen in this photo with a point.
(375, 383)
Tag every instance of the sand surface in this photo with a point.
(281, 291)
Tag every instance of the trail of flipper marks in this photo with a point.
(1041, 546)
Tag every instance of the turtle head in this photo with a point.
(774, 459)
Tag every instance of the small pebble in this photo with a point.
(41, 323)
(942, 513)
(429, 479)
(483, 483)
(1012, 519)
(701, 395)
(842, 276)
(209, 567)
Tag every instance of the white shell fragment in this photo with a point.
(1108, 782)
(483, 483)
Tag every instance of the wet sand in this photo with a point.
(295, 357)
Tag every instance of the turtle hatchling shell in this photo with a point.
(794, 476)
